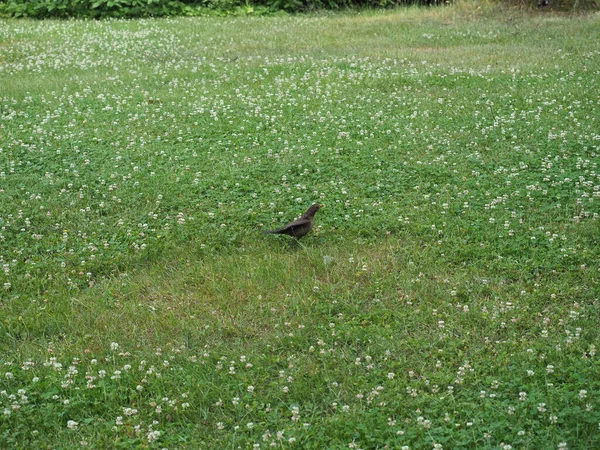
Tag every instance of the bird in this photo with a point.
(300, 226)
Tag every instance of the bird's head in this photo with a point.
(314, 208)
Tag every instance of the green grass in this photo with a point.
(447, 296)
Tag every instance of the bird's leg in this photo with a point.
(294, 243)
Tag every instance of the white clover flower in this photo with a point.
(153, 435)
(129, 411)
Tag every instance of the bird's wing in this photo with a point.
(290, 226)
(298, 223)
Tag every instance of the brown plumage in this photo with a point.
(300, 226)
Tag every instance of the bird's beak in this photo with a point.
(321, 206)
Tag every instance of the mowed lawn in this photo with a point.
(447, 298)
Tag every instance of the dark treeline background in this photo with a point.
(97, 9)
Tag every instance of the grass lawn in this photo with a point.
(448, 296)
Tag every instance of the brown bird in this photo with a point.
(300, 226)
